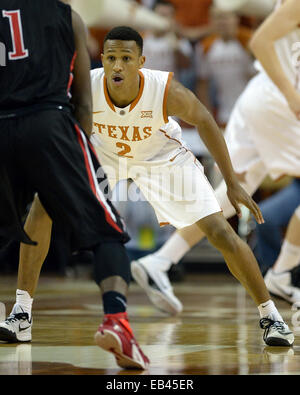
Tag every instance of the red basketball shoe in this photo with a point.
(116, 336)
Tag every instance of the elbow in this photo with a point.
(254, 44)
(258, 45)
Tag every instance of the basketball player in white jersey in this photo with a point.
(135, 137)
(278, 278)
(287, 260)
(263, 137)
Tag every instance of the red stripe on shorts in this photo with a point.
(91, 181)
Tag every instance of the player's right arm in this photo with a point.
(277, 25)
(81, 86)
(183, 104)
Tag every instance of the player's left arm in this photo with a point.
(81, 86)
(281, 22)
(183, 104)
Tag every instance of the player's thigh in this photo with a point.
(219, 232)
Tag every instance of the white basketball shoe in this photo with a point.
(16, 327)
(280, 285)
(148, 274)
(276, 333)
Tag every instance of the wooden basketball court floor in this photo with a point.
(217, 333)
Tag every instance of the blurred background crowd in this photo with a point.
(207, 49)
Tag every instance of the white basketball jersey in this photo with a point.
(142, 130)
(287, 49)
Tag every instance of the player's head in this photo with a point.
(125, 33)
(122, 54)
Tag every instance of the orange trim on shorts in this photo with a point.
(280, 177)
(165, 113)
(141, 90)
(177, 141)
(171, 138)
(164, 223)
(106, 94)
(286, 175)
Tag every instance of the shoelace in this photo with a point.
(16, 317)
(267, 324)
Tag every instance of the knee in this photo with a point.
(224, 238)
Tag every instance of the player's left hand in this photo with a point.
(237, 195)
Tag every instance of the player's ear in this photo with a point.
(102, 58)
(142, 61)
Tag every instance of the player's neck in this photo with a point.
(124, 95)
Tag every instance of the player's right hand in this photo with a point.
(237, 195)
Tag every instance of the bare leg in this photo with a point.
(38, 226)
(114, 283)
(173, 250)
(293, 231)
(237, 254)
(289, 256)
(191, 234)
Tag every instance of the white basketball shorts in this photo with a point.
(178, 190)
(262, 128)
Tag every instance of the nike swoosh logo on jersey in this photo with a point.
(98, 112)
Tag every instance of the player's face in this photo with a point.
(121, 61)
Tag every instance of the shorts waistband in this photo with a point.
(31, 109)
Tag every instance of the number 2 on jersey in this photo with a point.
(125, 149)
(15, 23)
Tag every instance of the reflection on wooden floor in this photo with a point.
(217, 333)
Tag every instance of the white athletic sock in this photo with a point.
(24, 300)
(269, 310)
(173, 249)
(289, 258)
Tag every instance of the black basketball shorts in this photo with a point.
(47, 153)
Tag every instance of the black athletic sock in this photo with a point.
(114, 302)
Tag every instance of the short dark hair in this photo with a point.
(125, 33)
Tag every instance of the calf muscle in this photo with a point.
(38, 226)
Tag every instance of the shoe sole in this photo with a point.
(277, 342)
(109, 341)
(158, 299)
(9, 337)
